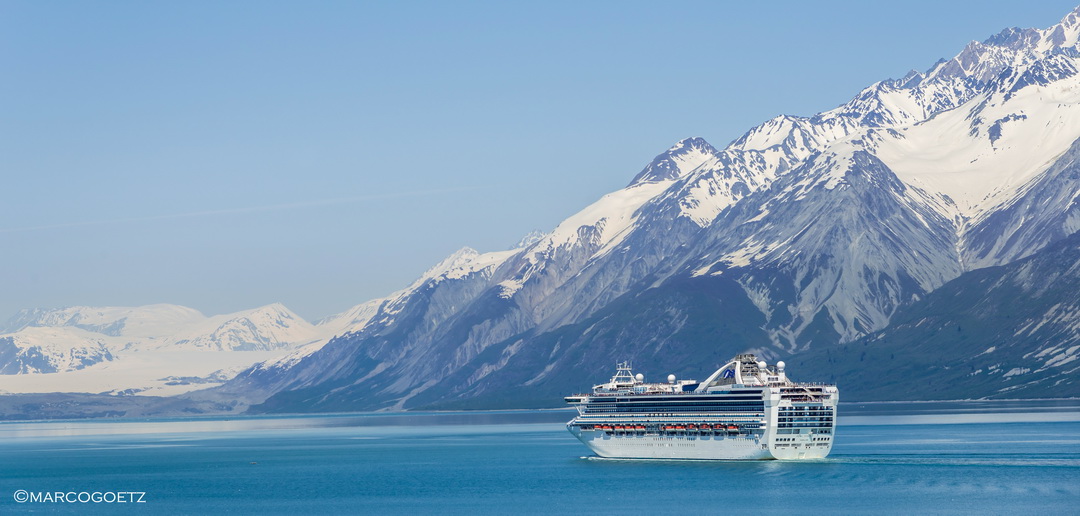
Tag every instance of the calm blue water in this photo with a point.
(887, 459)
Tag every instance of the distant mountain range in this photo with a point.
(908, 244)
(80, 349)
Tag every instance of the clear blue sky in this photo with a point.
(227, 155)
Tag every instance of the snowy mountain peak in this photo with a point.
(1012, 47)
(967, 130)
(529, 239)
(276, 308)
(353, 319)
(676, 162)
(1065, 34)
(455, 264)
(275, 313)
(460, 264)
(268, 328)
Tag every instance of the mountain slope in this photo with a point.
(1008, 331)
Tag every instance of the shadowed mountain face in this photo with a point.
(804, 236)
(1001, 332)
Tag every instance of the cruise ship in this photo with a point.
(746, 410)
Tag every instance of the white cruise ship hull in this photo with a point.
(672, 447)
(696, 447)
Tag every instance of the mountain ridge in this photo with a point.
(821, 221)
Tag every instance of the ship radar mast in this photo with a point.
(623, 373)
(624, 378)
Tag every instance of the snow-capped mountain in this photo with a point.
(155, 349)
(69, 339)
(805, 232)
(269, 328)
(51, 350)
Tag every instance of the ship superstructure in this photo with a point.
(747, 409)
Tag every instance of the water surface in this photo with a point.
(1022, 458)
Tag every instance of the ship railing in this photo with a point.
(687, 393)
(646, 393)
(665, 418)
